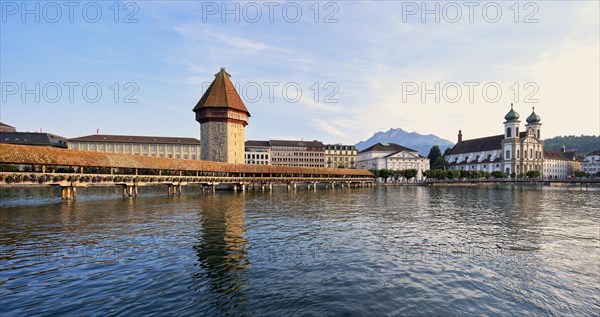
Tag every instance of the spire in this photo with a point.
(533, 117)
(221, 94)
(512, 115)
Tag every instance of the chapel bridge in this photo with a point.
(71, 169)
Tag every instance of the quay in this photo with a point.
(71, 169)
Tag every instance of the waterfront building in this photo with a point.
(392, 156)
(33, 138)
(169, 147)
(340, 156)
(513, 151)
(591, 163)
(257, 152)
(297, 153)
(560, 164)
(222, 116)
(7, 128)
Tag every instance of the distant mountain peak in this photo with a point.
(414, 140)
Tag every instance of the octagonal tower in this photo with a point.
(222, 116)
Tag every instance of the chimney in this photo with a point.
(459, 136)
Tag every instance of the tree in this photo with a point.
(440, 163)
(447, 151)
(533, 174)
(498, 174)
(453, 174)
(581, 174)
(410, 173)
(433, 155)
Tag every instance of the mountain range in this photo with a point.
(413, 140)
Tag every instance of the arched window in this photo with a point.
(539, 134)
(507, 155)
(509, 132)
(530, 153)
(518, 153)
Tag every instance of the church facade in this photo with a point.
(514, 151)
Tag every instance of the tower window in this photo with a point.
(509, 132)
(507, 154)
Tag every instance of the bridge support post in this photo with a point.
(270, 186)
(235, 188)
(315, 186)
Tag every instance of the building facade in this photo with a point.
(257, 152)
(34, 139)
(297, 153)
(168, 147)
(514, 151)
(222, 116)
(7, 128)
(560, 164)
(591, 163)
(340, 156)
(392, 156)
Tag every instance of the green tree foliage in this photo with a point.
(409, 173)
(498, 174)
(452, 174)
(533, 174)
(583, 144)
(440, 164)
(433, 155)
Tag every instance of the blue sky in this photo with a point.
(365, 64)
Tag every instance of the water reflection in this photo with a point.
(222, 251)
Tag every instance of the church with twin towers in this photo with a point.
(515, 151)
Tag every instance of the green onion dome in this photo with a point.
(512, 114)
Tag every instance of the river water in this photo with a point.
(354, 252)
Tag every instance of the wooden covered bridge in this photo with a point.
(70, 169)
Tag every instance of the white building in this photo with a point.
(591, 163)
(511, 152)
(168, 147)
(257, 152)
(392, 156)
(560, 164)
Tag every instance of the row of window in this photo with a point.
(285, 160)
(257, 156)
(255, 162)
(128, 147)
(310, 154)
(538, 154)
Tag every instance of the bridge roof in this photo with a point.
(22, 154)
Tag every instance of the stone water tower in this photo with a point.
(222, 116)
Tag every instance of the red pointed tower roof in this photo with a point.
(221, 94)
